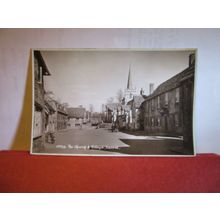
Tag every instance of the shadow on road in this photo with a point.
(151, 147)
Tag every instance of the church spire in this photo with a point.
(129, 84)
(129, 91)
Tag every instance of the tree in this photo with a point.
(103, 108)
(110, 100)
(65, 104)
(49, 95)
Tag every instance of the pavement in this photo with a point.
(102, 141)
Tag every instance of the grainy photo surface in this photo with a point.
(113, 102)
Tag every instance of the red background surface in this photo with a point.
(22, 172)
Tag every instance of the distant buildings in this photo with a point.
(126, 113)
(124, 117)
(135, 103)
(77, 116)
(95, 118)
(112, 112)
(62, 116)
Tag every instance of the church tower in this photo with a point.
(130, 91)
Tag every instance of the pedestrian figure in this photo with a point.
(113, 126)
(80, 123)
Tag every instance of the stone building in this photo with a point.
(40, 71)
(59, 116)
(135, 103)
(168, 110)
(124, 117)
(62, 117)
(112, 112)
(50, 119)
(51, 110)
(118, 114)
(76, 116)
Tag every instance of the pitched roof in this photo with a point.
(62, 109)
(126, 107)
(137, 100)
(173, 82)
(50, 105)
(39, 57)
(113, 106)
(118, 106)
(76, 112)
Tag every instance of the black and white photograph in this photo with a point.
(113, 102)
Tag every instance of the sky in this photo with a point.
(82, 77)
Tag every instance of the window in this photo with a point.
(152, 104)
(177, 97)
(176, 119)
(158, 102)
(158, 122)
(40, 75)
(166, 98)
(152, 122)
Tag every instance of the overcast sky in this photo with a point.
(91, 77)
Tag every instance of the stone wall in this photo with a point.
(163, 114)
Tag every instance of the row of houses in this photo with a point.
(166, 111)
(49, 114)
(79, 115)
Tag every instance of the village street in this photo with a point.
(165, 110)
(103, 141)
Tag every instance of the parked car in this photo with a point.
(94, 122)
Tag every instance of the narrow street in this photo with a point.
(68, 140)
(103, 141)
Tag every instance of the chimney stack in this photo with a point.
(142, 91)
(151, 88)
(191, 59)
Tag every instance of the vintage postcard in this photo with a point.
(115, 102)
